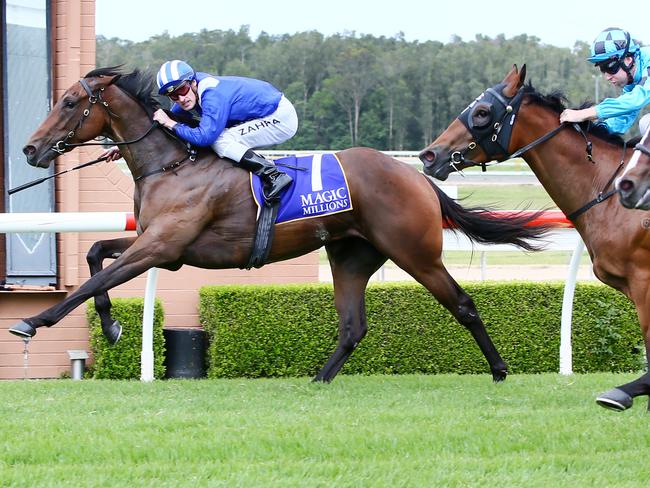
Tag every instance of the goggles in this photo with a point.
(180, 91)
(610, 66)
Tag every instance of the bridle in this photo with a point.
(63, 146)
(641, 148)
(494, 138)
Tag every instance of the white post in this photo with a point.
(566, 355)
(146, 357)
(483, 266)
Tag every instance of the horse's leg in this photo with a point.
(622, 397)
(99, 251)
(153, 248)
(435, 278)
(353, 261)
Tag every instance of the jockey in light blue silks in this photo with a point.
(236, 114)
(626, 65)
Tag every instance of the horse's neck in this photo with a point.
(151, 153)
(562, 167)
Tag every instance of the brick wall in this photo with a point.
(103, 188)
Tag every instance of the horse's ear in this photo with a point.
(511, 74)
(514, 80)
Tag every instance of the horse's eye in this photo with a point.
(481, 116)
(68, 104)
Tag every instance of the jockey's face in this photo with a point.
(619, 78)
(186, 101)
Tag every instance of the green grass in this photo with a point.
(514, 258)
(506, 197)
(408, 431)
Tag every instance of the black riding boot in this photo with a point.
(274, 181)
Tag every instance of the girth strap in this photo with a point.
(263, 235)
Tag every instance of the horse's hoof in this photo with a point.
(23, 330)
(113, 332)
(499, 375)
(615, 399)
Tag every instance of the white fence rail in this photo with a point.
(565, 239)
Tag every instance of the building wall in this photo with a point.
(3, 257)
(102, 188)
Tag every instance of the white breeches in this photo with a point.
(275, 128)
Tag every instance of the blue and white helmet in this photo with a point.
(612, 43)
(171, 74)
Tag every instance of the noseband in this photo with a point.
(641, 148)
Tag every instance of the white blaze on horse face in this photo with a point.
(636, 155)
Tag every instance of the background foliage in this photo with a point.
(274, 331)
(122, 361)
(382, 92)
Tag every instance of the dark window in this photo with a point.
(30, 258)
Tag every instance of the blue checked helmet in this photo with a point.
(171, 74)
(612, 43)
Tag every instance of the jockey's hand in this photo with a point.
(111, 154)
(163, 119)
(570, 115)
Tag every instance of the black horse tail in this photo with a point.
(484, 226)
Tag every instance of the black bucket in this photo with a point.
(186, 351)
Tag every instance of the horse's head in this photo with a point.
(482, 131)
(79, 115)
(634, 184)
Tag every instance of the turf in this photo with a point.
(406, 431)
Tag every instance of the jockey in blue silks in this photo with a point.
(626, 65)
(237, 115)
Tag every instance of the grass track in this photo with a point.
(393, 431)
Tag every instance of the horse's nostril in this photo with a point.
(625, 185)
(429, 156)
(29, 150)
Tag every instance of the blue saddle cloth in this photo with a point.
(320, 189)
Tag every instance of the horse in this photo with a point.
(634, 184)
(205, 216)
(512, 119)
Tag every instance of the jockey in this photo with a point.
(626, 65)
(236, 114)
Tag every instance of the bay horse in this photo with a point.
(634, 184)
(513, 119)
(204, 215)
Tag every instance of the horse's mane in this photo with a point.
(556, 101)
(140, 85)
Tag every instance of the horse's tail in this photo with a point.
(482, 225)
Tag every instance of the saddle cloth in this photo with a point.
(319, 188)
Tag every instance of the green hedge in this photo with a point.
(270, 331)
(122, 361)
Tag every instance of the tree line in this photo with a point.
(362, 90)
